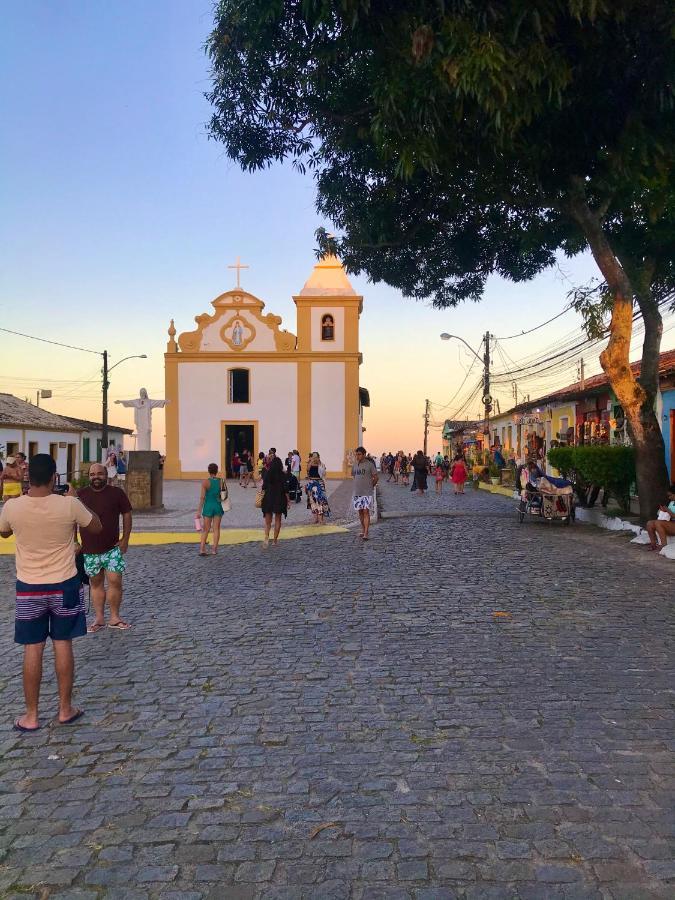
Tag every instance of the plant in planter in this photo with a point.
(495, 473)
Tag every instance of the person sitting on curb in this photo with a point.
(663, 525)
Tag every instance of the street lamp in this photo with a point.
(106, 385)
(446, 337)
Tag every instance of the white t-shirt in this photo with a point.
(44, 531)
(295, 464)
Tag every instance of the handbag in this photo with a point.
(259, 497)
(224, 493)
(227, 506)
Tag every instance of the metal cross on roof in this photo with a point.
(238, 266)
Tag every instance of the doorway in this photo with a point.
(238, 436)
(70, 461)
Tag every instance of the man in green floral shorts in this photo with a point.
(104, 552)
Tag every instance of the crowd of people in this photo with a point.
(401, 467)
(278, 485)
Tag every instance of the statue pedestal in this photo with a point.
(145, 479)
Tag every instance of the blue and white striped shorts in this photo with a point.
(49, 610)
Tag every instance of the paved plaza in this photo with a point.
(463, 707)
(182, 497)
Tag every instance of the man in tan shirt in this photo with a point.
(49, 593)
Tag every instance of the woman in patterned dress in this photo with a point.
(317, 499)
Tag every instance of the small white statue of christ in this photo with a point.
(143, 407)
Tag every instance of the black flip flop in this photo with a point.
(74, 718)
(23, 729)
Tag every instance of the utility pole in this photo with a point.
(104, 412)
(487, 398)
(426, 425)
(515, 393)
(582, 374)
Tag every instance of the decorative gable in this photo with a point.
(237, 325)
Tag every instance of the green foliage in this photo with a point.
(80, 481)
(449, 140)
(562, 459)
(611, 468)
(594, 303)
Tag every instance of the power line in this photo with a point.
(510, 337)
(31, 337)
(584, 344)
(29, 381)
(439, 408)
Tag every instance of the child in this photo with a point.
(458, 474)
(439, 474)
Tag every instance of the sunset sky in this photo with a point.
(119, 214)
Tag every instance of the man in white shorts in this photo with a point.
(364, 472)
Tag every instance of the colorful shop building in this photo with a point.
(582, 413)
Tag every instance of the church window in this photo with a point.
(238, 386)
(327, 328)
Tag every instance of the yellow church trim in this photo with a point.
(172, 462)
(351, 343)
(207, 356)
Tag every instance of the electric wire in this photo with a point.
(32, 337)
(510, 337)
(438, 407)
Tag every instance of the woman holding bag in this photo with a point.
(210, 508)
(274, 501)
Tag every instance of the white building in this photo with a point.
(91, 442)
(240, 381)
(25, 428)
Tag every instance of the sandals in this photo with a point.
(120, 626)
(76, 715)
(23, 729)
(94, 627)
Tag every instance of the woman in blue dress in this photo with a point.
(210, 509)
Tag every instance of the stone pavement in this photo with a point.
(461, 708)
(181, 499)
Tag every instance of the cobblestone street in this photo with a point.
(461, 708)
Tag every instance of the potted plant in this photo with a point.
(495, 473)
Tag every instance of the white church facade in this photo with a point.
(240, 381)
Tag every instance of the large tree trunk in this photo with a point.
(636, 398)
(656, 477)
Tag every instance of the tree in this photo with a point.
(452, 140)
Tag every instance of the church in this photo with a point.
(240, 381)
